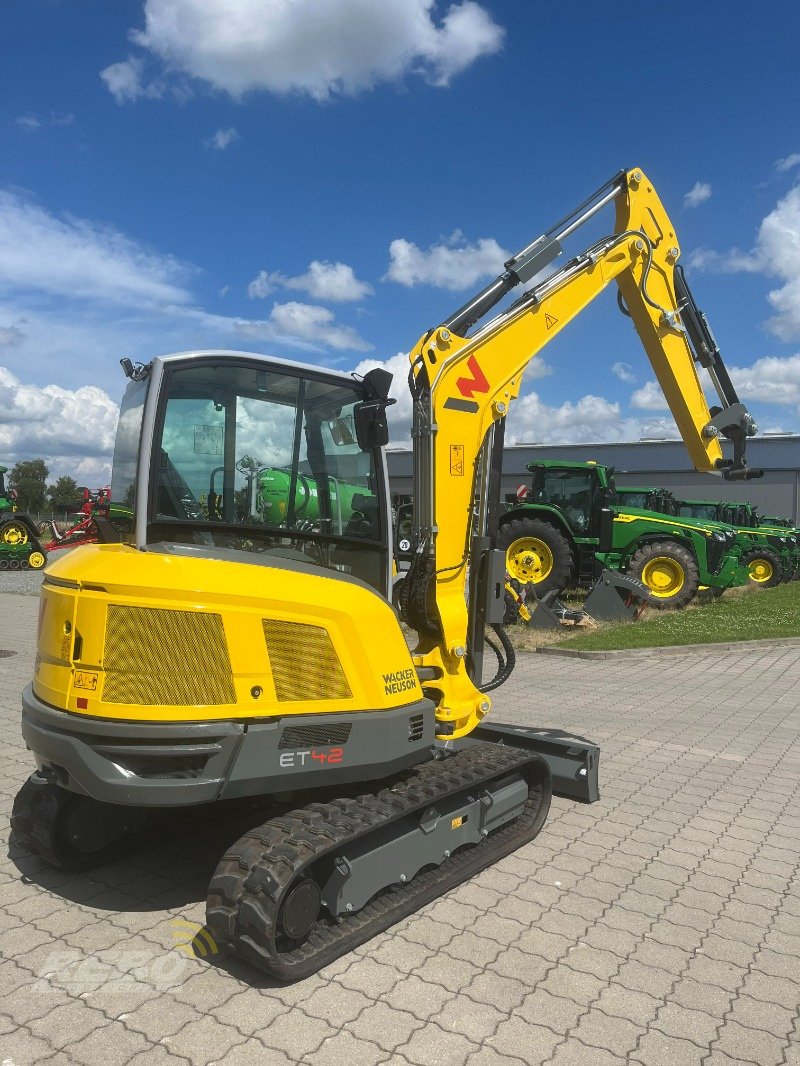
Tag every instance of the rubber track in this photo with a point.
(33, 817)
(251, 879)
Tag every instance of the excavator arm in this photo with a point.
(463, 384)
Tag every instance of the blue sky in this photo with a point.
(324, 181)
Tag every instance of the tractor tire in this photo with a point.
(537, 554)
(765, 567)
(669, 572)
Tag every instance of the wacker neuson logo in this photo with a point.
(399, 681)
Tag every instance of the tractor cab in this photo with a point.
(704, 510)
(644, 499)
(578, 490)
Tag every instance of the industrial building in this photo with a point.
(658, 463)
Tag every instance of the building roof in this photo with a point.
(643, 456)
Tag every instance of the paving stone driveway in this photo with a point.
(660, 926)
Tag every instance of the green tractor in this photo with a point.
(770, 555)
(19, 540)
(775, 553)
(569, 528)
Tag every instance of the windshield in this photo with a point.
(126, 445)
(705, 511)
(570, 490)
(632, 499)
(267, 460)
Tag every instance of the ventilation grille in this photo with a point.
(416, 727)
(298, 736)
(180, 767)
(171, 658)
(304, 663)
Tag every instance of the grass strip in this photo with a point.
(740, 614)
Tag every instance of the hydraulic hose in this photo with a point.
(506, 658)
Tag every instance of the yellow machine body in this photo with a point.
(125, 634)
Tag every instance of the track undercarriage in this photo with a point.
(312, 883)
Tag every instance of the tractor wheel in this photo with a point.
(764, 566)
(13, 533)
(537, 554)
(669, 571)
(36, 560)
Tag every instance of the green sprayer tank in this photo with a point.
(273, 494)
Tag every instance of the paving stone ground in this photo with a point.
(658, 926)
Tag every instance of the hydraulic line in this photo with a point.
(505, 664)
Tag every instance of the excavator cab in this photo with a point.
(249, 454)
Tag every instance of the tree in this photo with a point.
(65, 495)
(29, 478)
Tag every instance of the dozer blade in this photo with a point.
(303, 889)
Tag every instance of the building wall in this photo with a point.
(657, 463)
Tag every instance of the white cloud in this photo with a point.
(333, 282)
(698, 194)
(776, 254)
(307, 47)
(772, 379)
(73, 430)
(591, 418)
(624, 371)
(649, 398)
(316, 325)
(782, 165)
(126, 83)
(222, 139)
(452, 264)
(30, 121)
(73, 258)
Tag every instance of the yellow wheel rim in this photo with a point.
(760, 570)
(14, 534)
(36, 560)
(529, 560)
(664, 577)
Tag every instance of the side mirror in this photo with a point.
(372, 425)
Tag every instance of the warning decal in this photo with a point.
(457, 460)
(549, 321)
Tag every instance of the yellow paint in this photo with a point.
(529, 560)
(760, 570)
(243, 595)
(15, 534)
(661, 521)
(503, 347)
(664, 576)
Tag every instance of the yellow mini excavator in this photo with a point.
(242, 642)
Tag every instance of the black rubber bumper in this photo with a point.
(156, 764)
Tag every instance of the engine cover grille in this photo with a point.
(161, 657)
(304, 662)
(296, 736)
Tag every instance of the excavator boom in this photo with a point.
(463, 384)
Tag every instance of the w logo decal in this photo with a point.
(477, 383)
